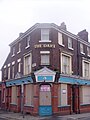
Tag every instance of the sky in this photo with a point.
(19, 15)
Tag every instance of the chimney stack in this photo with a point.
(63, 26)
(20, 34)
(83, 35)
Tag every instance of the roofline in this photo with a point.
(50, 25)
(28, 31)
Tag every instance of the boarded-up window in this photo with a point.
(29, 94)
(14, 95)
(62, 95)
(84, 95)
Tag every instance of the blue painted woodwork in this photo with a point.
(46, 78)
(74, 81)
(19, 81)
(45, 110)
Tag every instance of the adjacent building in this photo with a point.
(47, 72)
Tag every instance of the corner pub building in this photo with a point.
(47, 72)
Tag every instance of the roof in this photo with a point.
(48, 25)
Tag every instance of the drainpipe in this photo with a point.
(22, 99)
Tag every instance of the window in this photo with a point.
(14, 95)
(45, 57)
(13, 71)
(19, 67)
(29, 94)
(13, 51)
(62, 95)
(3, 95)
(5, 74)
(86, 69)
(88, 51)
(65, 64)
(28, 42)
(45, 34)
(60, 39)
(8, 72)
(84, 95)
(82, 48)
(70, 45)
(27, 64)
(19, 47)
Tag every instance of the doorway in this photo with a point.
(45, 106)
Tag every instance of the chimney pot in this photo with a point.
(83, 35)
(63, 26)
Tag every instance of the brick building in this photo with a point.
(47, 72)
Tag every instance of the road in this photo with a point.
(63, 118)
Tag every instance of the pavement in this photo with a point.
(5, 115)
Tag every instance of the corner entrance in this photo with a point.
(45, 107)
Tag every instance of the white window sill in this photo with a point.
(13, 55)
(13, 103)
(27, 105)
(88, 55)
(70, 48)
(27, 47)
(62, 45)
(18, 52)
(82, 53)
(45, 41)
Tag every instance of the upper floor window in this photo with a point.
(19, 67)
(82, 48)
(8, 72)
(28, 42)
(88, 51)
(86, 68)
(27, 64)
(45, 35)
(70, 43)
(19, 47)
(13, 67)
(45, 58)
(66, 64)
(5, 73)
(13, 51)
(60, 39)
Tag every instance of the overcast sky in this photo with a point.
(18, 15)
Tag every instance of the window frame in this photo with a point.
(13, 51)
(62, 92)
(70, 43)
(30, 63)
(14, 95)
(60, 39)
(43, 34)
(83, 68)
(30, 97)
(70, 63)
(13, 71)
(88, 51)
(19, 47)
(82, 48)
(9, 72)
(43, 53)
(28, 41)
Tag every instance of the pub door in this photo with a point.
(45, 106)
